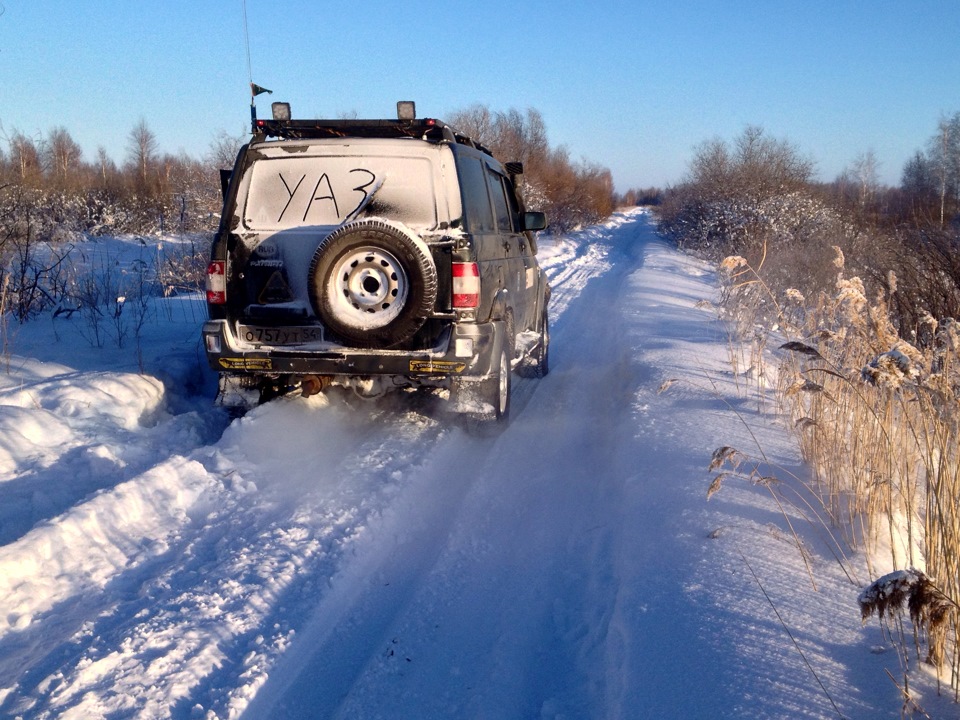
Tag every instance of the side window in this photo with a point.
(501, 209)
(478, 214)
(512, 200)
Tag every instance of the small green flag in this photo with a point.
(257, 90)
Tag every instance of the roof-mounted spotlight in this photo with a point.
(406, 110)
(281, 110)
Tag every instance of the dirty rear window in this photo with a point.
(290, 191)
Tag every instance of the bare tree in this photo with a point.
(739, 196)
(918, 184)
(62, 157)
(142, 154)
(511, 135)
(522, 137)
(865, 171)
(944, 156)
(572, 194)
(767, 166)
(755, 167)
(25, 158)
(475, 122)
(711, 169)
(223, 150)
(106, 168)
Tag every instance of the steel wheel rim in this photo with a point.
(368, 288)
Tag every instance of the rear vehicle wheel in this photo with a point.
(538, 363)
(497, 391)
(487, 402)
(542, 366)
(372, 284)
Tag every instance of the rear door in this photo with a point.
(521, 265)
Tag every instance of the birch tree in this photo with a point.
(62, 157)
(944, 155)
(142, 154)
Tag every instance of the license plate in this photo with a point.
(279, 335)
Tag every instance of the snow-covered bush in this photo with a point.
(33, 252)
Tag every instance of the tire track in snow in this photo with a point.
(408, 631)
(409, 542)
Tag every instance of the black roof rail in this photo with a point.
(427, 129)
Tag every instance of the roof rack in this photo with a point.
(429, 129)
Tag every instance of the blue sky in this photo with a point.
(631, 86)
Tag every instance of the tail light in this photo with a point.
(217, 282)
(466, 285)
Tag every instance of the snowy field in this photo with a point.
(331, 557)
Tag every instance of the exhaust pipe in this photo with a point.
(314, 384)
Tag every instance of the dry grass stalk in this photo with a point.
(896, 433)
(793, 639)
(931, 611)
(877, 418)
(727, 455)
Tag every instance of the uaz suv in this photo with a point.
(376, 254)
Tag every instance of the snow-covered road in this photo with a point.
(337, 558)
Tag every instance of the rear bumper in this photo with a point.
(467, 349)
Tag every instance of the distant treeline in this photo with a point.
(47, 187)
(572, 193)
(755, 197)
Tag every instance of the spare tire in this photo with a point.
(372, 284)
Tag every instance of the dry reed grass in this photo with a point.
(877, 420)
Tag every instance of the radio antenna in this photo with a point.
(246, 38)
(254, 89)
